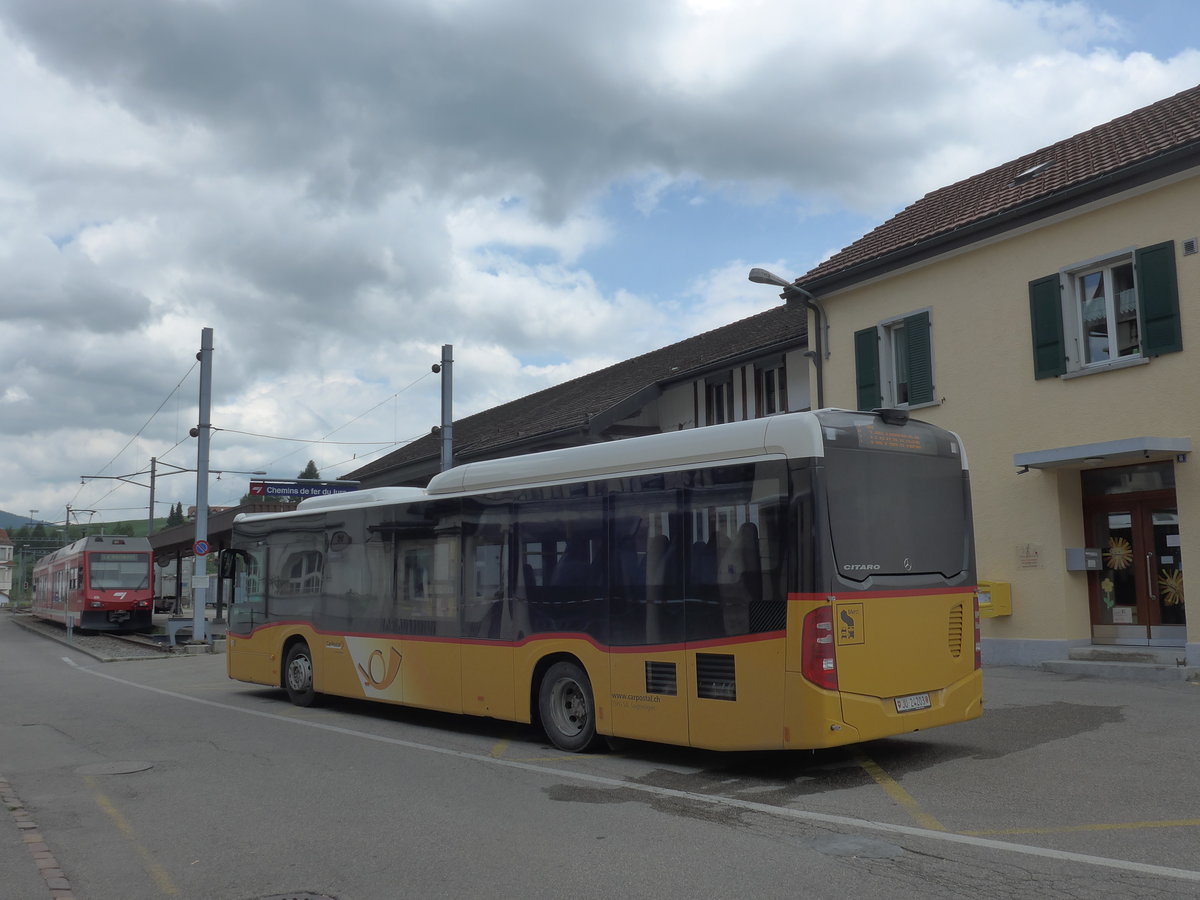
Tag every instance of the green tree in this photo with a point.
(175, 516)
(310, 471)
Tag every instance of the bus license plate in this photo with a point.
(913, 702)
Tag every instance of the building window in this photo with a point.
(1106, 320)
(718, 400)
(893, 362)
(1105, 313)
(770, 388)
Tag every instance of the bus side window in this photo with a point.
(488, 603)
(737, 560)
(564, 556)
(647, 584)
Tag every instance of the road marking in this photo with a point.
(1111, 826)
(782, 812)
(902, 797)
(157, 872)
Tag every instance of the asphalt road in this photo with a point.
(162, 778)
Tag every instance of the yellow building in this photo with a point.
(1046, 310)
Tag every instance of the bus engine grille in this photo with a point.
(715, 676)
(956, 631)
(660, 678)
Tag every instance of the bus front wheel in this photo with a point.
(298, 675)
(567, 708)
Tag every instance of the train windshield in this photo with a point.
(115, 571)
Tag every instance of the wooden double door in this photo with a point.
(1137, 595)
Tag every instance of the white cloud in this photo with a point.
(337, 193)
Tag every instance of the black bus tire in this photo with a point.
(298, 675)
(567, 708)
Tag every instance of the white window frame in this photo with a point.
(1075, 333)
(890, 360)
(776, 371)
(724, 385)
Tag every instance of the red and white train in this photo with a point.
(98, 583)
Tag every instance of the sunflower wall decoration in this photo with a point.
(1119, 554)
(1170, 587)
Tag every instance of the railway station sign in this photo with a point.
(299, 489)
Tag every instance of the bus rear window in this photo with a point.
(896, 513)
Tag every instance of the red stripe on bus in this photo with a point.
(908, 592)
(533, 638)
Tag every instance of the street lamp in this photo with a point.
(793, 293)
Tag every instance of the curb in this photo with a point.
(56, 880)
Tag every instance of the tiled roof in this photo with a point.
(1144, 136)
(4, 538)
(574, 404)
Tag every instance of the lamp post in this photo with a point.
(446, 430)
(792, 294)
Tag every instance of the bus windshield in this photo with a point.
(897, 513)
(113, 571)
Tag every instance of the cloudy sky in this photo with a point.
(338, 189)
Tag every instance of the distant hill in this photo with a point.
(10, 521)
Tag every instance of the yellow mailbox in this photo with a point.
(995, 599)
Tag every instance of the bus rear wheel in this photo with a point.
(298, 675)
(567, 708)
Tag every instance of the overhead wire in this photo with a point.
(360, 457)
(151, 419)
(145, 425)
(276, 437)
(382, 445)
(324, 440)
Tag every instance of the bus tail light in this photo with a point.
(819, 661)
(978, 637)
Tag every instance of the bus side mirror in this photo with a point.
(229, 560)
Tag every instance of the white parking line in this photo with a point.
(711, 799)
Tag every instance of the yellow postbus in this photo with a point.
(799, 581)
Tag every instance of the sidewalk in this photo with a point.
(30, 869)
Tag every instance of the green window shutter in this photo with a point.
(920, 359)
(1045, 317)
(866, 368)
(1158, 292)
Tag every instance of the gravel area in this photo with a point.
(104, 647)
